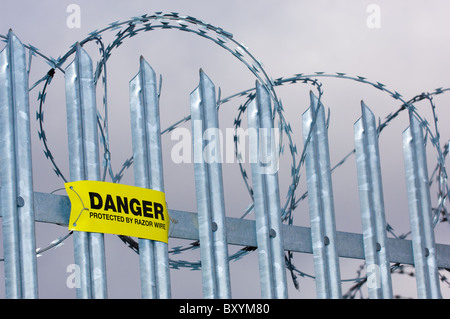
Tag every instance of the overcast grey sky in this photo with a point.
(408, 51)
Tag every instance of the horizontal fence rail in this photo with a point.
(273, 238)
(55, 209)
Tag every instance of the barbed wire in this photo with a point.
(174, 21)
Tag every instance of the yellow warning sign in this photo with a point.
(111, 208)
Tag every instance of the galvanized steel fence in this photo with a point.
(272, 233)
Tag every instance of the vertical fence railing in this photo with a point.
(17, 196)
(420, 211)
(372, 206)
(209, 190)
(16, 201)
(266, 197)
(320, 199)
(89, 248)
(148, 173)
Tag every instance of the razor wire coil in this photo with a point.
(164, 21)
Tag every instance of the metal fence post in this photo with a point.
(17, 200)
(89, 248)
(209, 189)
(264, 163)
(372, 206)
(148, 173)
(320, 199)
(419, 203)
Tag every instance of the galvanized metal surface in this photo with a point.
(216, 231)
(16, 199)
(420, 211)
(85, 165)
(242, 232)
(148, 172)
(372, 204)
(266, 196)
(320, 199)
(209, 190)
